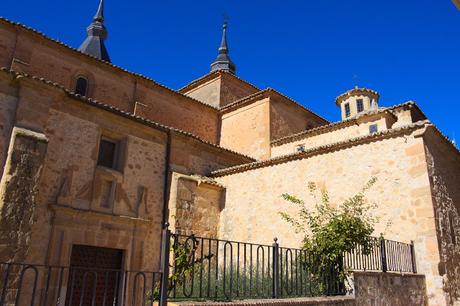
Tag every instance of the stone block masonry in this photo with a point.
(389, 289)
(19, 187)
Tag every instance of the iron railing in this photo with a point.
(220, 270)
(229, 270)
(385, 255)
(25, 284)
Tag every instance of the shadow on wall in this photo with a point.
(444, 170)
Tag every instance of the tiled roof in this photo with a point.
(353, 91)
(22, 26)
(339, 124)
(320, 149)
(209, 76)
(118, 111)
(251, 98)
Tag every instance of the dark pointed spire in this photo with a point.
(97, 33)
(223, 61)
(100, 12)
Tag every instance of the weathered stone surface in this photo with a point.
(18, 193)
(195, 206)
(321, 301)
(444, 169)
(389, 289)
(403, 198)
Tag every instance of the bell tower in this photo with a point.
(356, 101)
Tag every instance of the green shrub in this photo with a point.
(330, 231)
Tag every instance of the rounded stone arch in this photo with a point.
(77, 83)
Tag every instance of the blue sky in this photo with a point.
(309, 50)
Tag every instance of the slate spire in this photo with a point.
(223, 61)
(97, 33)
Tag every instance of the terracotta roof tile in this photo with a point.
(117, 111)
(209, 76)
(320, 149)
(353, 91)
(102, 61)
(339, 124)
(251, 98)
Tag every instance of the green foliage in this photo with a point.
(331, 230)
(183, 267)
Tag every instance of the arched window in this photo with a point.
(81, 86)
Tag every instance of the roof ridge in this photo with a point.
(299, 155)
(263, 91)
(356, 89)
(116, 110)
(209, 74)
(23, 26)
(347, 122)
(242, 100)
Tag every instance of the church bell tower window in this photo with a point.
(81, 86)
(347, 110)
(359, 105)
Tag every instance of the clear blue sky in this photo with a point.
(309, 50)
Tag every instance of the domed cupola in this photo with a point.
(356, 101)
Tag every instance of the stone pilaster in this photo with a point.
(18, 192)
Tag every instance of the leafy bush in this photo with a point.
(330, 231)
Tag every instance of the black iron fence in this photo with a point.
(227, 270)
(386, 255)
(24, 284)
(197, 268)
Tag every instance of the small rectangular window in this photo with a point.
(300, 148)
(359, 105)
(347, 110)
(107, 153)
(373, 128)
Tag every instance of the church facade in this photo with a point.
(93, 155)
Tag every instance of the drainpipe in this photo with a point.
(167, 180)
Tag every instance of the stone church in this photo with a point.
(94, 155)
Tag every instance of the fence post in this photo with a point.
(165, 245)
(383, 254)
(412, 256)
(276, 269)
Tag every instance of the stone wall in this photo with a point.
(370, 289)
(389, 289)
(219, 89)
(444, 169)
(81, 202)
(247, 129)
(195, 205)
(316, 301)
(208, 92)
(232, 89)
(332, 135)
(402, 194)
(8, 102)
(18, 193)
(38, 56)
(287, 118)
(7, 42)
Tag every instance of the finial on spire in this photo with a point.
(223, 61)
(97, 33)
(100, 12)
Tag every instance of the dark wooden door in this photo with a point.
(94, 276)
